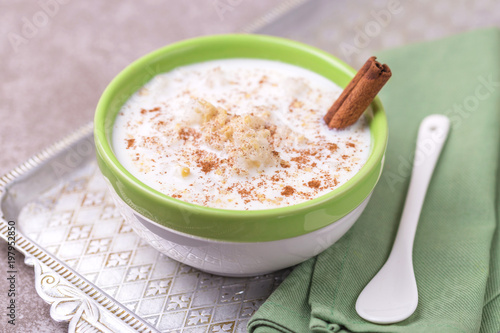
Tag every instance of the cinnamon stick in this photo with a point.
(358, 94)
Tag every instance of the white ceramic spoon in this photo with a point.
(391, 296)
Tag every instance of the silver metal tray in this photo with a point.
(90, 266)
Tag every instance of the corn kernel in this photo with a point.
(185, 171)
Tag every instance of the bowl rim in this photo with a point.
(105, 151)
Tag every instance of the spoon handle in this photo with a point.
(431, 138)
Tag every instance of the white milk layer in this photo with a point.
(238, 134)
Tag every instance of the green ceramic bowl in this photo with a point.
(232, 225)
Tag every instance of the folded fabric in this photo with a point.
(457, 250)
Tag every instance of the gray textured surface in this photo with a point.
(354, 30)
(55, 73)
(52, 79)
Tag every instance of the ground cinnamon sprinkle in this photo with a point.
(275, 178)
(207, 166)
(332, 147)
(314, 183)
(185, 133)
(300, 159)
(287, 191)
(244, 192)
(284, 164)
(156, 109)
(130, 143)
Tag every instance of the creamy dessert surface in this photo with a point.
(238, 134)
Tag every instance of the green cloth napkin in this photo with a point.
(456, 253)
